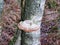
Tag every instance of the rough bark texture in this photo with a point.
(50, 31)
(11, 15)
(34, 12)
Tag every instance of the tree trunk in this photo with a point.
(33, 11)
(1, 8)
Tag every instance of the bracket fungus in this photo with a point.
(28, 26)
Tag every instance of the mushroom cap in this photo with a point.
(28, 26)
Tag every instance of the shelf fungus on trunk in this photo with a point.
(33, 12)
(28, 26)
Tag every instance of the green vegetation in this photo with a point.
(52, 4)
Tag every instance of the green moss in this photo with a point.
(54, 29)
(52, 4)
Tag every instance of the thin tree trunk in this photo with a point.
(1, 8)
(33, 11)
(18, 41)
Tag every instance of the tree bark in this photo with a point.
(33, 11)
(1, 8)
(11, 15)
